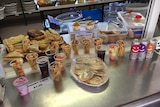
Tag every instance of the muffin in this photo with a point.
(76, 26)
(89, 25)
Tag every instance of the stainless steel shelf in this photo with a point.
(47, 8)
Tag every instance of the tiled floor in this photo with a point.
(12, 26)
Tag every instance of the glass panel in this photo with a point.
(119, 12)
(157, 30)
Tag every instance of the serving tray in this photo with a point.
(87, 57)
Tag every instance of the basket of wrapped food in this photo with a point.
(36, 41)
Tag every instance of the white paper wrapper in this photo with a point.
(2, 49)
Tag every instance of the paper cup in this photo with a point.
(21, 85)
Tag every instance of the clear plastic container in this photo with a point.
(135, 28)
(111, 33)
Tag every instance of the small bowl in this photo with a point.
(89, 25)
(76, 26)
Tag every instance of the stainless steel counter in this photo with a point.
(128, 81)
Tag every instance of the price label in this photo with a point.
(38, 84)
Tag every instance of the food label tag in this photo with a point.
(38, 84)
(85, 35)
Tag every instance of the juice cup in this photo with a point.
(113, 52)
(43, 64)
(21, 85)
(101, 51)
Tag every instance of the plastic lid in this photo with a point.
(20, 81)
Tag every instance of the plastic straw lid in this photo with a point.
(42, 60)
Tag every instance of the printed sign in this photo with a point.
(85, 35)
(38, 84)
